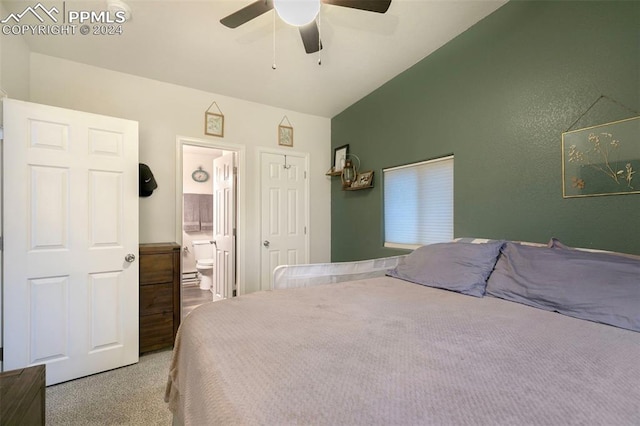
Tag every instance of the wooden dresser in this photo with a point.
(22, 396)
(159, 295)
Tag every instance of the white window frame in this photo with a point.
(386, 210)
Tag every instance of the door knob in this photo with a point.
(130, 257)
(266, 243)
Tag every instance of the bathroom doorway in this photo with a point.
(196, 221)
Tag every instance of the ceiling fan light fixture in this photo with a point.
(297, 12)
(115, 6)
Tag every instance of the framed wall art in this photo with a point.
(602, 160)
(339, 157)
(363, 180)
(285, 132)
(285, 135)
(214, 122)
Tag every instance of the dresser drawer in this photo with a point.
(159, 295)
(156, 268)
(156, 298)
(156, 331)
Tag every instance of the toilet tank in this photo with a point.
(202, 249)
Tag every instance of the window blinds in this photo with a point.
(418, 203)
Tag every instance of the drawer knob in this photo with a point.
(130, 257)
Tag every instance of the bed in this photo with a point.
(368, 343)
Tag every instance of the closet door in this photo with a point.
(284, 213)
(70, 226)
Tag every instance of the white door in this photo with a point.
(70, 211)
(224, 228)
(284, 213)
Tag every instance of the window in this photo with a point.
(418, 203)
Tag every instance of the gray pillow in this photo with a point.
(600, 287)
(461, 267)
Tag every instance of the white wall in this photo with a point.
(165, 111)
(14, 65)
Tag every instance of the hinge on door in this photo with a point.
(234, 232)
(305, 230)
(1, 354)
(1, 244)
(235, 170)
(305, 174)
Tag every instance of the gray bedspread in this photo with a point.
(385, 351)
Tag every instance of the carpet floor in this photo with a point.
(132, 395)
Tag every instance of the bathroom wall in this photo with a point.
(192, 158)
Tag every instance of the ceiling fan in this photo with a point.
(300, 13)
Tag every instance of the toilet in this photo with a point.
(203, 251)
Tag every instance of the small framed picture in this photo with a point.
(339, 157)
(213, 124)
(363, 180)
(285, 135)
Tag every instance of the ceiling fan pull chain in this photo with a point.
(273, 66)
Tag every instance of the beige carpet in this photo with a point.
(126, 396)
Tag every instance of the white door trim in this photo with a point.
(241, 198)
(258, 195)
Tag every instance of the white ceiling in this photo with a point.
(183, 42)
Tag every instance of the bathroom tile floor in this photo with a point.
(193, 297)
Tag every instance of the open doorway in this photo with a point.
(206, 171)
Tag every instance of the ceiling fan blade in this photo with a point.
(379, 6)
(310, 37)
(247, 13)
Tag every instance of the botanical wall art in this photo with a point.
(214, 122)
(602, 160)
(285, 135)
(285, 132)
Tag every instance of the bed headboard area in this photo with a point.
(467, 332)
(595, 285)
(293, 276)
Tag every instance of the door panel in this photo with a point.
(105, 315)
(48, 308)
(224, 176)
(70, 212)
(105, 208)
(283, 210)
(49, 211)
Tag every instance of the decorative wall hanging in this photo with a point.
(214, 122)
(602, 159)
(363, 180)
(200, 175)
(285, 133)
(339, 157)
(349, 172)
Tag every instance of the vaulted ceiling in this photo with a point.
(183, 42)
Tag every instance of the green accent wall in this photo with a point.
(499, 97)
